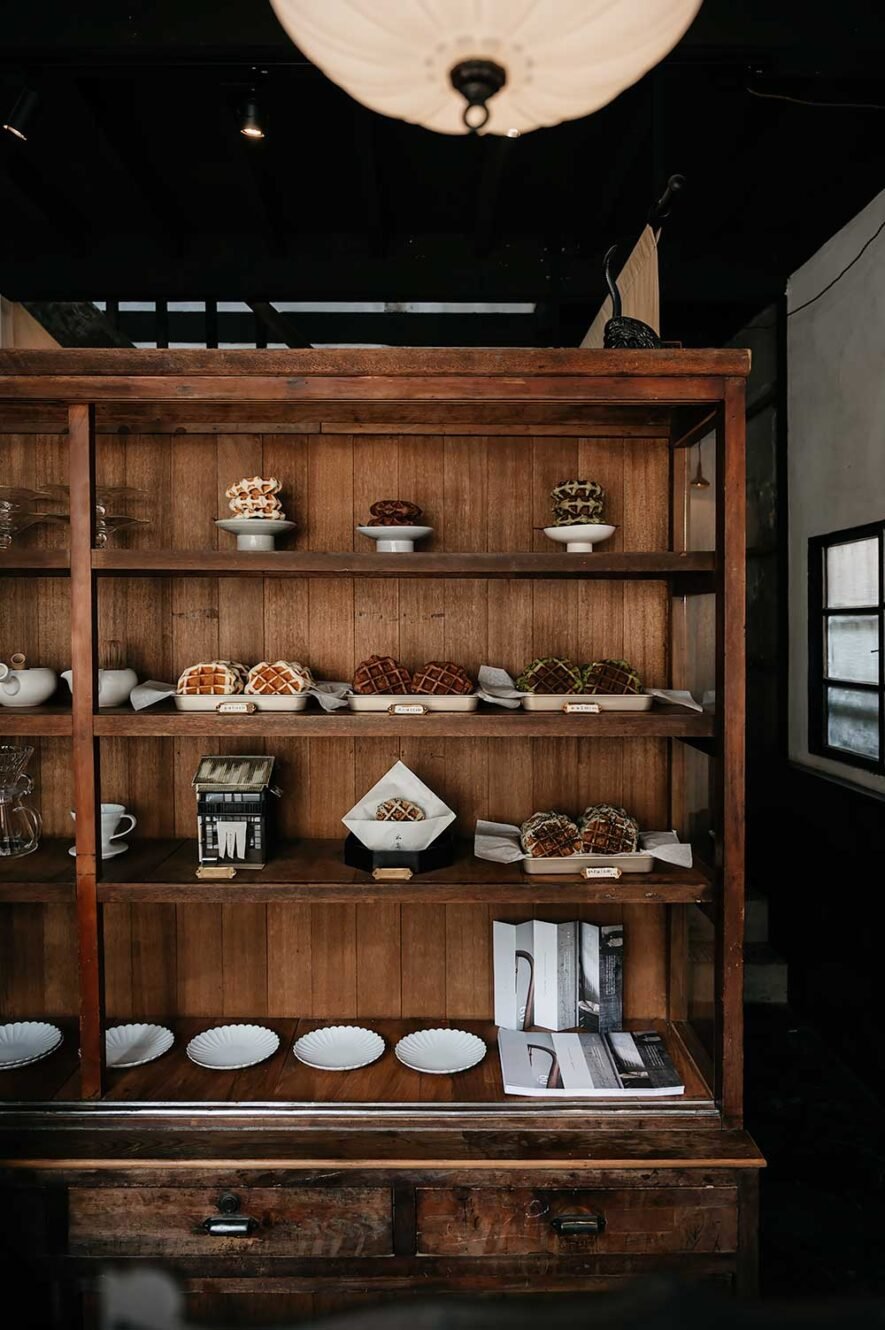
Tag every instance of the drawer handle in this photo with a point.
(230, 1226)
(578, 1225)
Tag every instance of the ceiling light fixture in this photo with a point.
(16, 123)
(251, 126)
(699, 480)
(496, 66)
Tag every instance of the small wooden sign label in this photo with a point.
(610, 874)
(220, 872)
(407, 709)
(392, 874)
(236, 708)
(591, 708)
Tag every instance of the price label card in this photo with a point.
(392, 874)
(407, 709)
(236, 708)
(591, 708)
(610, 874)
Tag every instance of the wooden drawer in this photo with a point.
(287, 1221)
(468, 1221)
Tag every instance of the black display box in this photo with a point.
(439, 854)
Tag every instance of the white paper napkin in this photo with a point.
(398, 783)
(150, 692)
(496, 685)
(499, 842)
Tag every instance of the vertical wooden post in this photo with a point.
(731, 721)
(87, 797)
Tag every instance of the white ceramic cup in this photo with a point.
(111, 817)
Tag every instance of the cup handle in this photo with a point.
(36, 822)
(126, 830)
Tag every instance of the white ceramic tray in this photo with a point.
(24, 1042)
(605, 701)
(229, 1047)
(135, 1044)
(638, 862)
(339, 1048)
(429, 701)
(440, 1052)
(262, 702)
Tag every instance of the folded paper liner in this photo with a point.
(398, 783)
(499, 842)
(497, 686)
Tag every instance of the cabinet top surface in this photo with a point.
(489, 362)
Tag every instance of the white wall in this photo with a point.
(836, 448)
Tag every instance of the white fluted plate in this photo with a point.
(339, 1048)
(229, 1047)
(23, 1042)
(440, 1052)
(135, 1044)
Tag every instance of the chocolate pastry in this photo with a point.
(577, 502)
(399, 810)
(604, 829)
(611, 676)
(394, 512)
(550, 674)
(549, 835)
(442, 677)
(381, 674)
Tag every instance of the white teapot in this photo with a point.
(20, 687)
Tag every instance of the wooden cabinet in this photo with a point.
(442, 1183)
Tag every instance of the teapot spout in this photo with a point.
(68, 676)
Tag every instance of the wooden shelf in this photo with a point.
(163, 871)
(45, 877)
(174, 1079)
(34, 563)
(487, 722)
(47, 721)
(309, 563)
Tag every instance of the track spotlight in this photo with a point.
(251, 125)
(21, 114)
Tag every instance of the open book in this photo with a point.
(578, 1066)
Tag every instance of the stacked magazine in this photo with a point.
(579, 1066)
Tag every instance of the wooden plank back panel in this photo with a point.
(479, 493)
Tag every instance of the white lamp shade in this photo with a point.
(562, 58)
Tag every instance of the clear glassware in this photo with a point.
(15, 520)
(20, 824)
(107, 498)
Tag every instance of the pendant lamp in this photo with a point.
(485, 66)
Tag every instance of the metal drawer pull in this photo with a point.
(578, 1225)
(229, 1224)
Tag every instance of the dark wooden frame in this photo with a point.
(818, 679)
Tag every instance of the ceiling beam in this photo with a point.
(75, 323)
(282, 328)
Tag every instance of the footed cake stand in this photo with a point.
(254, 533)
(395, 539)
(580, 538)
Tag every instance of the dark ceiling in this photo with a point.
(135, 183)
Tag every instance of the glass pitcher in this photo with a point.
(20, 824)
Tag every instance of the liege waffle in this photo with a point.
(268, 503)
(399, 810)
(212, 678)
(381, 674)
(611, 676)
(442, 677)
(550, 674)
(395, 512)
(253, 487)
(279, 678)
(549, 835)
(604, 829)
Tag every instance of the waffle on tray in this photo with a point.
(279, 678)
(212, 678)
(604, 829)
(443, 678)
(611, 676)
(550, 674)
(549, 835)
(381, 674)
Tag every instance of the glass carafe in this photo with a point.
(20, 824)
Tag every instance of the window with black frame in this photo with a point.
(846, 635)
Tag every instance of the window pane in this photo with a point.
(853, 647)
(852, 575)
(853, 721)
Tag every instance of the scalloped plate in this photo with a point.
(339, 1048)
(440, 1052)
(229, 1047)
(23, 1042)
(135, 1044)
